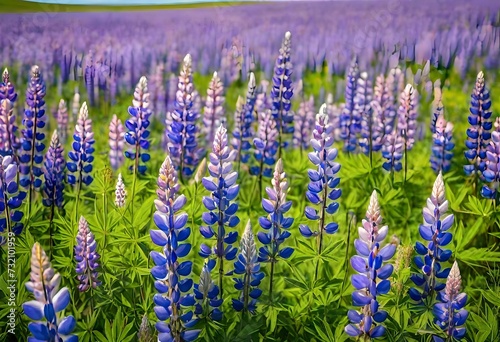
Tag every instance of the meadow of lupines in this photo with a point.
(226, 176)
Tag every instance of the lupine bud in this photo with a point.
(145, 334)
(49, 301)
(214, 108)
(62, 120)
(266, 145)
(10, 199)
(55, 166)
(120, 192)
(86, 257)
(116, 142)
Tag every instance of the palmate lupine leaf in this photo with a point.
(49, 301)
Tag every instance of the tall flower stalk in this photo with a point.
(62, 120)
(9, 144)
(168, 271)
(370, 281)
(116, 142)
(322, 190)
(407, 120)
(275, 223)
(214, 108)
(491, 174)
(220, 205)
(350, 122)
(10, 199)
(442, 145)
(49, 301)
(86, 257)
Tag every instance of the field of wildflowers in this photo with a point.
(321, 171)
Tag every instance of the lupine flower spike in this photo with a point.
(322, 189)
(407, 120)
(442, 147)
(10, 199)
(9, 143)
(214, 108)
(174, 321)
(450, 314)
(491, 174)
(350, 122)
(116, 142)
(86, 257)
(49, 301)
(371, 279)
(248, 266)
(62, 121)
(392, 151)
(208, 301)
(120, 192)
(275, 223)
(430, 259)
(222, 209)
(7, 90)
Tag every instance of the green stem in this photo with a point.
(136, 167)
(51, 225)
(271, 279)
(346, 259)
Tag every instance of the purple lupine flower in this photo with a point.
(275, 222)
(168, 271)
(334, 111)
(49, 301)
(370, 116)
(479, 132)
(208, 301)
(75, 106)
(157, 91)
(434, 229)
(86, 257)
(395, 85)
(214, 108)
(81, 158)
(221, 205)
(181, 123)
(10, 199)
(7, 90)
(262, 101)
(350, 122)
(450, 314)
(62, 120)
(371, 279)
(304, 123)
(54, 173)
(120, 192)
(266, 145)
(392, 151)
(242, 132)
(31, 156)
(9, 144)
(323, 181)
(89, 77)
(437, 108)
(137, 125)
(491, 174)
(442, 148)
(407, 115)
(247, 265)
(116, 142)
(282, 92)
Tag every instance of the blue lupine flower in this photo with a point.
(384, 111)
(282, 92)
(86, 257)
(450, 314)
(32, 141)
(221, 208)
(89, 78)
(248, 266)
(266, 145)
(491, 174)
(442, 148)
(9, 143)
(350, 121)
(116, 142)
(434, 229)
(304, 123)
(138, 133)
(174, 321)
(181, 124)
(437, 108)
(49, 301)
(62, 120)
(54, 174)
(395, 85)
(275, 223)
(371, 115)
(392, 151)
(7, 90)
(80, 163)
(213, 114)
(242, 132)
(322, 190)
(479, 132)
(207, 294)
(10, 199)
(407, 115)
(371, 279)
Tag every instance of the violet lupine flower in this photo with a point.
(262, 101)
(214, 108)
(323, 181)
(434, 229)
(304, 123)
(370, 116)
(207, 294)
(266, 145)
(392, 151)
(75, 106)
(54, 173)
(7, 90)
(89, 78)
(437, 108)
(62, 120)
(491, 174)
(80, 163)
(222, 209)
(275, 223)
(86, 257)
(395, 85)
(49, 301)
(181, 123)
(31, 156)
(407, 115)
(116, 142)
(450, 314)
(120, 192)
(371, 279)
(350, 122)
(247, 265)
(243, 132)
(174, 321)
(9, 144)
(479, 132)
(442, 149)
(10, 198)
(282, 92)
